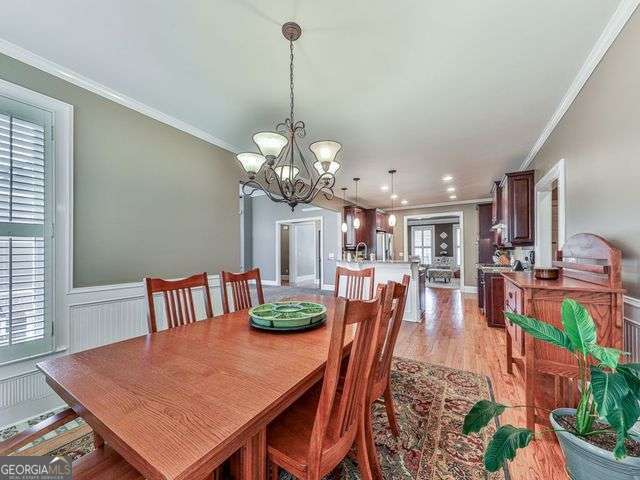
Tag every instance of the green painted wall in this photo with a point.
(148, 199)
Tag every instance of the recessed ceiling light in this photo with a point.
(447, 178)
(453, 197)
(404, 202)
(384, 188)
(451, 189)
(394, 196)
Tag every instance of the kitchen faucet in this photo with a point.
(365, 250)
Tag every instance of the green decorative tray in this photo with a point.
(287, 316)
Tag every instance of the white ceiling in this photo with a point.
(459, 87)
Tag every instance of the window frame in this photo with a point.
(457, 245)
(62, 207)
(423, 228)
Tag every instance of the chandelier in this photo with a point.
(280, 169)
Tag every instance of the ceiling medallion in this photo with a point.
(280, 169)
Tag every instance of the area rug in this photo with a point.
(431, 402)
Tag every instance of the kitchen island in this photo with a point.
(393, 270)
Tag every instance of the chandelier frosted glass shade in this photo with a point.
(251, 162)
(324, 168)
(392, 220)
(325, 150)
(270, 143)
(286, 172)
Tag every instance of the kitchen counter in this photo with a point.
(393, 270)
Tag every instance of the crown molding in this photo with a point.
(68, 75)
(443, 204)
(611, 31)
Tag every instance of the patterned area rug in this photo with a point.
(431, 402)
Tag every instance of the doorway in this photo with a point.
(550, 215)
(299, 252)
(437, 240)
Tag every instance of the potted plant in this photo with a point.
(596, 438)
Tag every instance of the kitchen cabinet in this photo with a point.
(485, 234)
(353, 235)
(496, 203)
(493, 301)
(518, 215)
(372, 221)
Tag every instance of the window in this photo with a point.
(456, 238)
(25, 230)
(422, 243)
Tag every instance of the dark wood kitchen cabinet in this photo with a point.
(485, 234)
(496, 213)
(353, 235)
(493, 301)
(513, 210)
(518, 216)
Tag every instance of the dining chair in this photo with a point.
(240, 289)
(178, 299)
(380, 385)
(355, 282)
(103, 463)
(315, 433)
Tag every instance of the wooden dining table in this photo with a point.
(176, 404)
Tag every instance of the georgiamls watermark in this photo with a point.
(35, 468)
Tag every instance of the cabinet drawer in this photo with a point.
(512, 298)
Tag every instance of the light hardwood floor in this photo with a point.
(456, 335)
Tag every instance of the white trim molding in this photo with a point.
(62, 141)
(443, 204)
(611, 31)
(41, 63)
(543, 212)
(460, 214)
(632, 301)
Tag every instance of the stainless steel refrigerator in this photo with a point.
(384, 246)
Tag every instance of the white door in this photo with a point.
(303, 265)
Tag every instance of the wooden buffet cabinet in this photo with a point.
(590, 275)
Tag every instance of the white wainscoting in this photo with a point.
(97, 316)
(632, 328)
(102, 315)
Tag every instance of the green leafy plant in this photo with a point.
(609, 390)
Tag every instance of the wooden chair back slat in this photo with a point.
(364, 315)
(355, 283)
(391, 322)
(240, 289)
(178, 300)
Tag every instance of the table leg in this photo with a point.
(253, 457)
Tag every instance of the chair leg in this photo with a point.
(274, 471)
(391, 414)
(98, 441)
(372, 451)
(362, 452)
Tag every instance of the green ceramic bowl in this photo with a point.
(288, 315)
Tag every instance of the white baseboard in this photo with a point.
(270, 283)
(326, 286)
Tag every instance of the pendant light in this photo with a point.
(356, 220)
(392, 217)
(344, 226)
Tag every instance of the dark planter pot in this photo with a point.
(588, 462)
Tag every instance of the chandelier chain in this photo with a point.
(291, 77)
